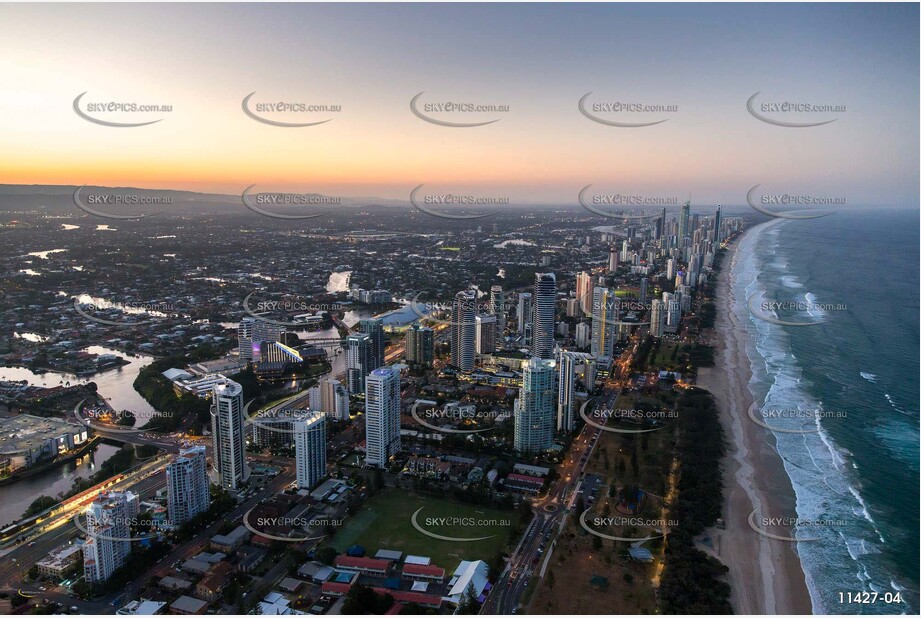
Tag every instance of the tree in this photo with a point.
(326, 555)
(468, 602)
(596, 542)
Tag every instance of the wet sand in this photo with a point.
(765, 575)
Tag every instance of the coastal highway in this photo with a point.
(550, 512)
(16, 562)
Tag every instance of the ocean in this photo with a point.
(844, 390)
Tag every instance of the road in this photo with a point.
(550, 513)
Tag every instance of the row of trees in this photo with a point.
(693, 582)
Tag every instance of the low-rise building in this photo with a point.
(60, 561)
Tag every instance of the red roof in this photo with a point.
(429, 570)
(523, 478)
(355, 562)
(406, 596)
(335, 588)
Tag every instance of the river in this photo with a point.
(116, 385)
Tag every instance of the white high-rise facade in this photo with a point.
(566, 391)
(583, 335)
(382, 416)
(463, 330)
(310, 450)
(544, 314)
(108, 527)
(534, 408)
(228, 456)
(188, 491)
(357, 360)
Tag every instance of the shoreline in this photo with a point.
(765, 575)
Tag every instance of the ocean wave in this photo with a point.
(869, 377)
(821, 471)
(895, 407)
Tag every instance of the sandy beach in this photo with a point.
(765, 575)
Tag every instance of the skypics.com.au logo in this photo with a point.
(456, 114)
(116, 421)
(130, 313)
(288, 114)
(792, 312)
(434, 204)
(792, 114)
(118, 204)
(626, 420)
(119, 114)
(792, 420)
(619, 113)
(625, 203)
(629, 529)
(457, 420)
(288, 310)
(269, 204)
(458, 529)
(289, 529)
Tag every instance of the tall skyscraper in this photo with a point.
(374, 328)
(604, 313)
(228, 455)
(188, 491)
(625, 252)
(544, 314)
(683, 220)
(245, 339)
(585, 287)
(717, 222)
(525, 309)
(566, 391)
(420, 345)
(534, 408)
(497, 308)
(382, 416)
(670, 269)
(657, 318)
(108, 526)
(486, 328)
(583, 335)
(613, 261)
(463, 330)
(644, 289)
(310, 450)
(357, 360)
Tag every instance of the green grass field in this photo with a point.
(384, 522)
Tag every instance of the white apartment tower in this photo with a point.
(228, 455)
(188, 491)
(310, 450)
(382, 416)
(534, 408)
(108, 527)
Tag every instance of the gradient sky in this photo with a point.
(538, 59)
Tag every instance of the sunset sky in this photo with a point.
(537, 59)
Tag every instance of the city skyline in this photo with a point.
(711, 148)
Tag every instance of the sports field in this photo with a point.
(385, 522)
